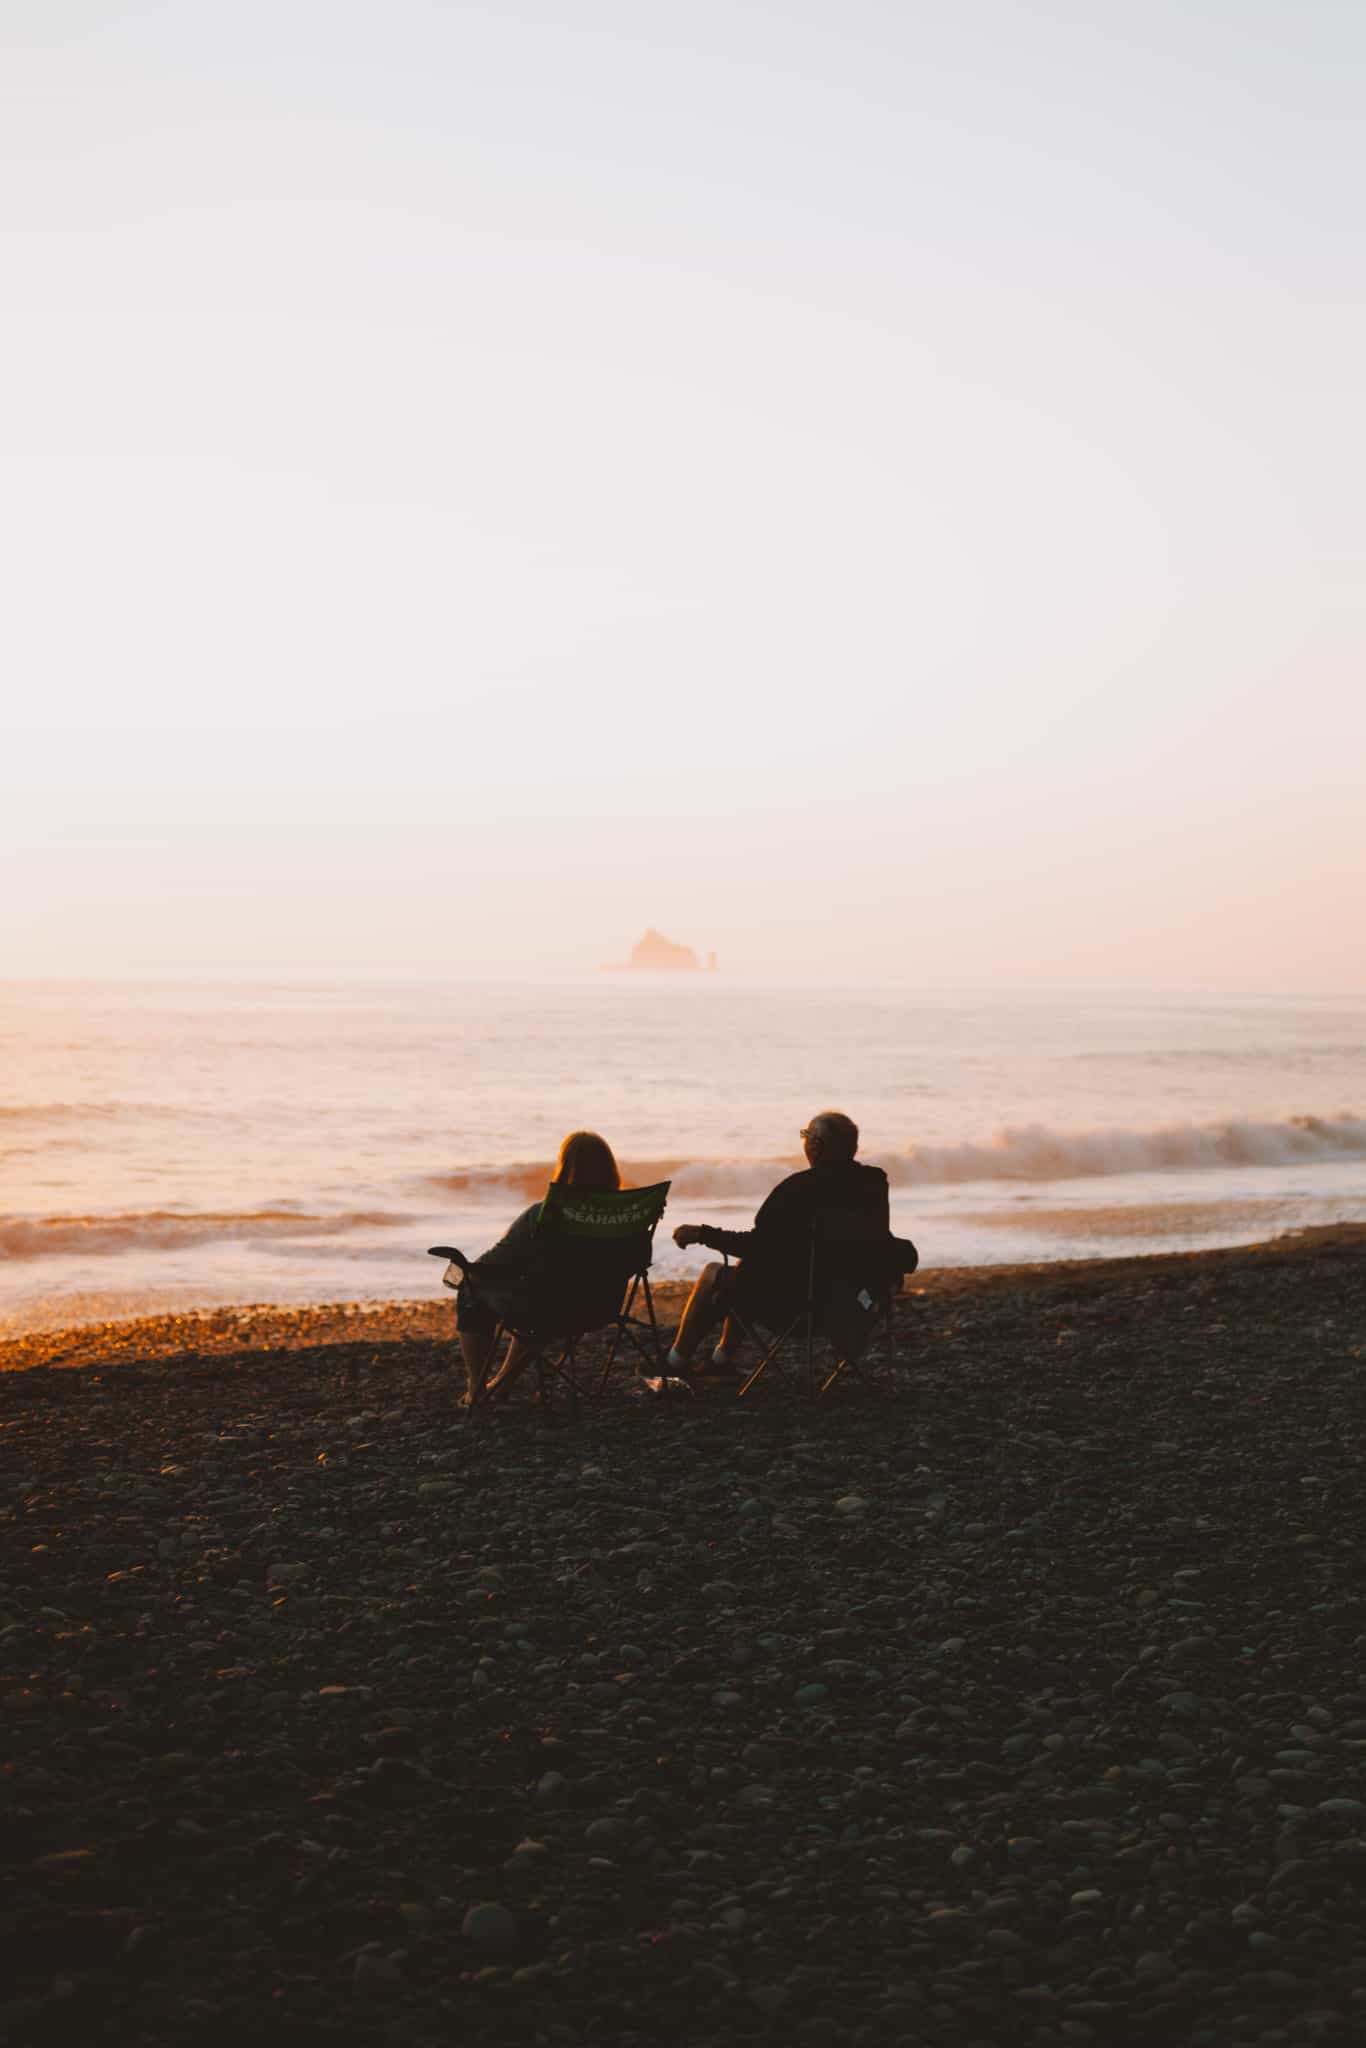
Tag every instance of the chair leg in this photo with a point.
(643, 1335)
(842, 1366)
(774, 1348)
(656, 1352)
(547, 1371)
(550, 1371)
(635, 1332)
(611, 1357)
(850, 1363)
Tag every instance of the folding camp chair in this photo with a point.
(853, 1269)
(587, 1268)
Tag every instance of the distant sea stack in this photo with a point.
(654, 951)
(654, 954)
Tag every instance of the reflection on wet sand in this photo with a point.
(1136, 1220)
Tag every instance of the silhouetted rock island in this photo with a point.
(654, 950)
(654, 953)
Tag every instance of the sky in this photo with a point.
(870, 489)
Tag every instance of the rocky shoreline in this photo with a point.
(1016, 1695)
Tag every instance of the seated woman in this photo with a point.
(485, 1294)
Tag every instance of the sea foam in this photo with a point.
(168, 1230)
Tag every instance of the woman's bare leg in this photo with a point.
(476, 1348)
(520, 1354)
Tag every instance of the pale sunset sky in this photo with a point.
(873, 489)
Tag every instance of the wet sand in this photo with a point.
(1019, 1694)
(263, 1328)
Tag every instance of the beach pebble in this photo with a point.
(375, 1976)
(607, 1828)
(490, 1926)
(286, 1574)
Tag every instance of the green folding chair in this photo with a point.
(587, 1270)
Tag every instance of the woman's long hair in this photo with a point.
(586, 1162)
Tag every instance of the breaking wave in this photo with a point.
(1035, 1153)
(525, 1180)
(168, 1230)
(1031, 1152)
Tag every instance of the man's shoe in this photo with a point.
(675, 1361)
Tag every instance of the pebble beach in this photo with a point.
(1017, 1693)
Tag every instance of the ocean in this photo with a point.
(170, 1146)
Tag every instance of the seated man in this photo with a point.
(770, 1283)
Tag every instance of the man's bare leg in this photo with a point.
(731, 1337)
(701, 1315)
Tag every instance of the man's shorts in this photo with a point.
(762, 1299)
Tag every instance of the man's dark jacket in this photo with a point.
(775, 1252)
